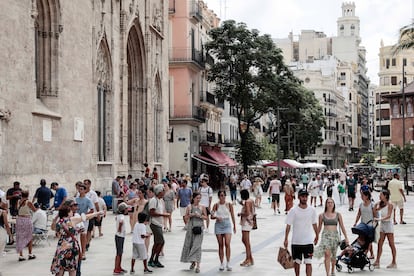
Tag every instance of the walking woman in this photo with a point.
(169, 197)
(383, 212)
(258, 191)
(366, 214)
(246, 222)
(24, 226)
(68, 251)
(222, 212)
(289, 195)
(195, 215)
(329, 241)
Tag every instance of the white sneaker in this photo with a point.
(229, 268)
(221, 267)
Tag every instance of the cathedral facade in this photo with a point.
(83, 90)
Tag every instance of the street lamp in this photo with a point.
(278, 139)
(289, 124)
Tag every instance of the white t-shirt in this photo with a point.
(139, 229)
(101, 204)
(39, 219)
(275, 186)
(159, 206)
(93, 197)
(206, 193)
(245, 184)
(120, 218)
(394, 187)
(301, 221)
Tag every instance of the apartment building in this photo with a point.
(346, 77)
(392, 66)
(195, 113)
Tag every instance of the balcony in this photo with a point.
(187, 55)
(171, 8)
(331, 101)
(196, 12)
(187, 115)
(331, 114)
(211, 138)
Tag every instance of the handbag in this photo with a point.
(342, 244)
(197, 230)
(284, 258)
(254, 227)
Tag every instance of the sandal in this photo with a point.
(376, 265)
(392, 266)
(192, 266)
(10, 242)
(32, 256)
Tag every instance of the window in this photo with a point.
(324, 151)
(394, 80)
(387, 63)
(46, 37)
(393, 62)
(350, 96)
(343, 76)
(404, 62)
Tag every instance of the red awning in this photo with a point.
(205, 160)
(282, 163)
(221, 158)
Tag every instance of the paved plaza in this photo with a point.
(265, 242)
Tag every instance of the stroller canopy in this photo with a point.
(364, 230)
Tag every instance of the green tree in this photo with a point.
(304, 110)
(249, 150)
(368, 158)
(406, 39)
(248, 69)
(404, 157)
(268, 151)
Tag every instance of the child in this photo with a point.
(341, 191)
(139, 250)
(120, 237)
(353, 248)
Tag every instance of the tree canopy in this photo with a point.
(250, 74)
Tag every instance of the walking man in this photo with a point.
(274, 192)
(302, 218)
(397, 196)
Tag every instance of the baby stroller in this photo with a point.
(358, 257)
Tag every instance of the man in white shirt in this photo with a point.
(302, 218)
(274, 192)
(245, 184)
(206, 193)
(39, 220)
(397, 196)
(91, 194)
(157, 212)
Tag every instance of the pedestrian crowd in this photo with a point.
(144, 207)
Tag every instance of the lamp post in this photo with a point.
(278, 139)
(403, 121)
(289, 124)
(380, 133)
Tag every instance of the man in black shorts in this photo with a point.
(302, 218)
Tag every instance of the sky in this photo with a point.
(379, 19)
